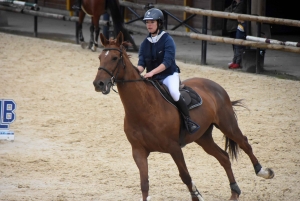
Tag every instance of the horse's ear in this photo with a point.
(103, 40)
(120, 38)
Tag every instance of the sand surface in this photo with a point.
(70, 144)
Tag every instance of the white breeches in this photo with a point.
(172, 82)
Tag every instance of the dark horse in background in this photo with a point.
(152, 124)
(96, 8)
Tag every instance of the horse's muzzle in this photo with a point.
(103, 87)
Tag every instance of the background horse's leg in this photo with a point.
(207, 143)
(118, 21)
(229, 126)
(140, 156)
(79, 28)
(92, 28)
(178, 158)
(95, 22)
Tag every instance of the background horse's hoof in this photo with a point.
(94, 48)
(83, 45)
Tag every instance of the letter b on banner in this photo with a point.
(7, 113)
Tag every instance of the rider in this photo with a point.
(77, 5)
(160, 61)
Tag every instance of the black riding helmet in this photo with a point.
(155, 14)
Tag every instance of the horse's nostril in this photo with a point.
(98, 84)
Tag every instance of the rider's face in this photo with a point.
(151, 25)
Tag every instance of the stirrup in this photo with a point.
(191, 126)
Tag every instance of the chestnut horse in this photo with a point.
(96, 8)
(142, 102)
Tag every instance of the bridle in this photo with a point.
(117, 68)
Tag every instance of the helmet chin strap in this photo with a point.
(156, 31)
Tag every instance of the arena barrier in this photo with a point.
(204, 37)
(48, 15)
(219, 14)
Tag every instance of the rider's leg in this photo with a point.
(172, 82)
(191, 126)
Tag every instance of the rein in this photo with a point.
(113, 77)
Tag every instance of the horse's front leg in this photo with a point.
(184, 174)
(140, 156)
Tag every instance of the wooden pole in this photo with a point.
(220, 14)
(50, 15)
(220, 39)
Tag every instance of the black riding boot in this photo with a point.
(77, 5)
(191, 126)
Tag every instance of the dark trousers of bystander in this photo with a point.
(239, 49)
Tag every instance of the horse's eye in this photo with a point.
(115, 58)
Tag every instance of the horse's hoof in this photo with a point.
(271, 173)
(266, 173)
(148, 198)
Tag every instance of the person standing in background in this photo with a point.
(239, 49)
(236, 6)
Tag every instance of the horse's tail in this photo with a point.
(118, 20)
(233, 148)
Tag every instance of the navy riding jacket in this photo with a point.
(152, 54)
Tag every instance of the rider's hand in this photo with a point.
(149, 74)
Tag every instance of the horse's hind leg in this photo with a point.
(229, 127)
(91, 43)
(79, 28)
(207, 143)
(178, 158)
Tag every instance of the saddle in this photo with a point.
(191, 99)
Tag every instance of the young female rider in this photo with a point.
(157, 55)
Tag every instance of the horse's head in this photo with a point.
(111, 63)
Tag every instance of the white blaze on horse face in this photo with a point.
(106, 53)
